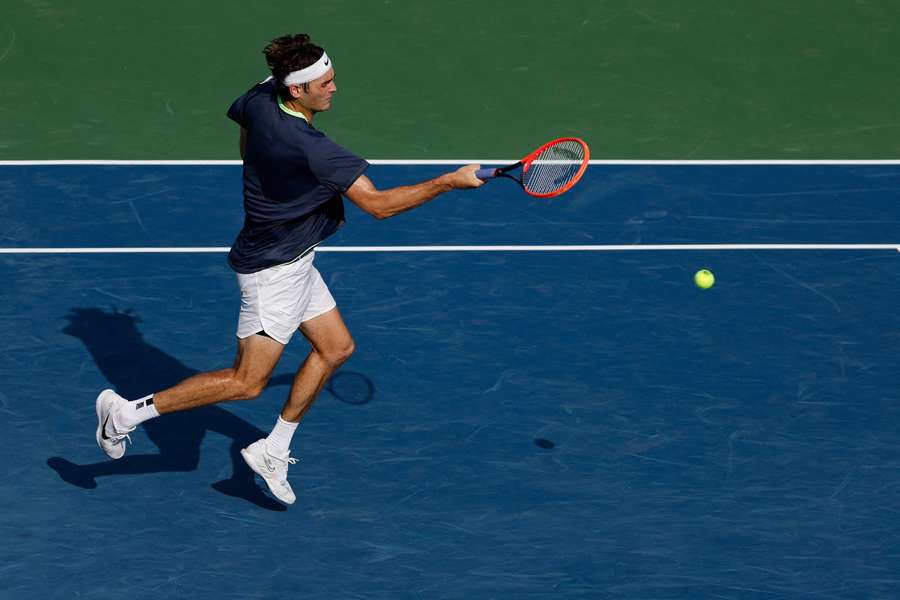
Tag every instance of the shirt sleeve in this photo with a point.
(336, 167)
(236, 111)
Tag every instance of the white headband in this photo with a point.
(310, 73)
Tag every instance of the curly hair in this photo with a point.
(290, 53)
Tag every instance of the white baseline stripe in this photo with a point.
(135, 250)
(483, 161)
(139, 163)
(546, 248)
(602, 161)
(609, 248)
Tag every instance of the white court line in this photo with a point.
(544, 248)
(484, 161)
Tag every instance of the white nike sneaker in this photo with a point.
(110, 439)
(273, 469)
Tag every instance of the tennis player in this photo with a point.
(294, 178)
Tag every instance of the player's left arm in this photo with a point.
(243, 142)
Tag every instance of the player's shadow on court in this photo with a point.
(134, 368)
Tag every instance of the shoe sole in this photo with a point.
(249, 460)
(99, 434)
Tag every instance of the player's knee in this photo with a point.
(339, 354)
(248, 388)
(254, 390)
(348, 351)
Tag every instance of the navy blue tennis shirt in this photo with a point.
(293, 180)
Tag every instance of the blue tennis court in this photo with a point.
(513, 424)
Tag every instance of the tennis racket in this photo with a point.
(549, 171)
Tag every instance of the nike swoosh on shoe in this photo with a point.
(269, 465)
(103, 429)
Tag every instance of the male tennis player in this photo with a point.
(294, 177)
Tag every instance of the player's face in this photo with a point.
(320, 92)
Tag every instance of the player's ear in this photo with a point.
(295, 90)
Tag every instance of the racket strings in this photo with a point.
(554, 167)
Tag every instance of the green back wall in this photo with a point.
(641, 79)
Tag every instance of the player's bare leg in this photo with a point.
(332, 345)
(256, 358)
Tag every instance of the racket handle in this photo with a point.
(486, 174)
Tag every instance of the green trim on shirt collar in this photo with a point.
(293, 113)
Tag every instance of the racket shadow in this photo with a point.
(134, 368)
(349, 387)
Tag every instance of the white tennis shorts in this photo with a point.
(278, 299)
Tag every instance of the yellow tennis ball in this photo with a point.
(704, 279)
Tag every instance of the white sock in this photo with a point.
(279, 441)
(131, 414)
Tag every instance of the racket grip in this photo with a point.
(486, 173)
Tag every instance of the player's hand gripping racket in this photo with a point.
(549, 171)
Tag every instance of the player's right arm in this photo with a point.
(382, 204)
